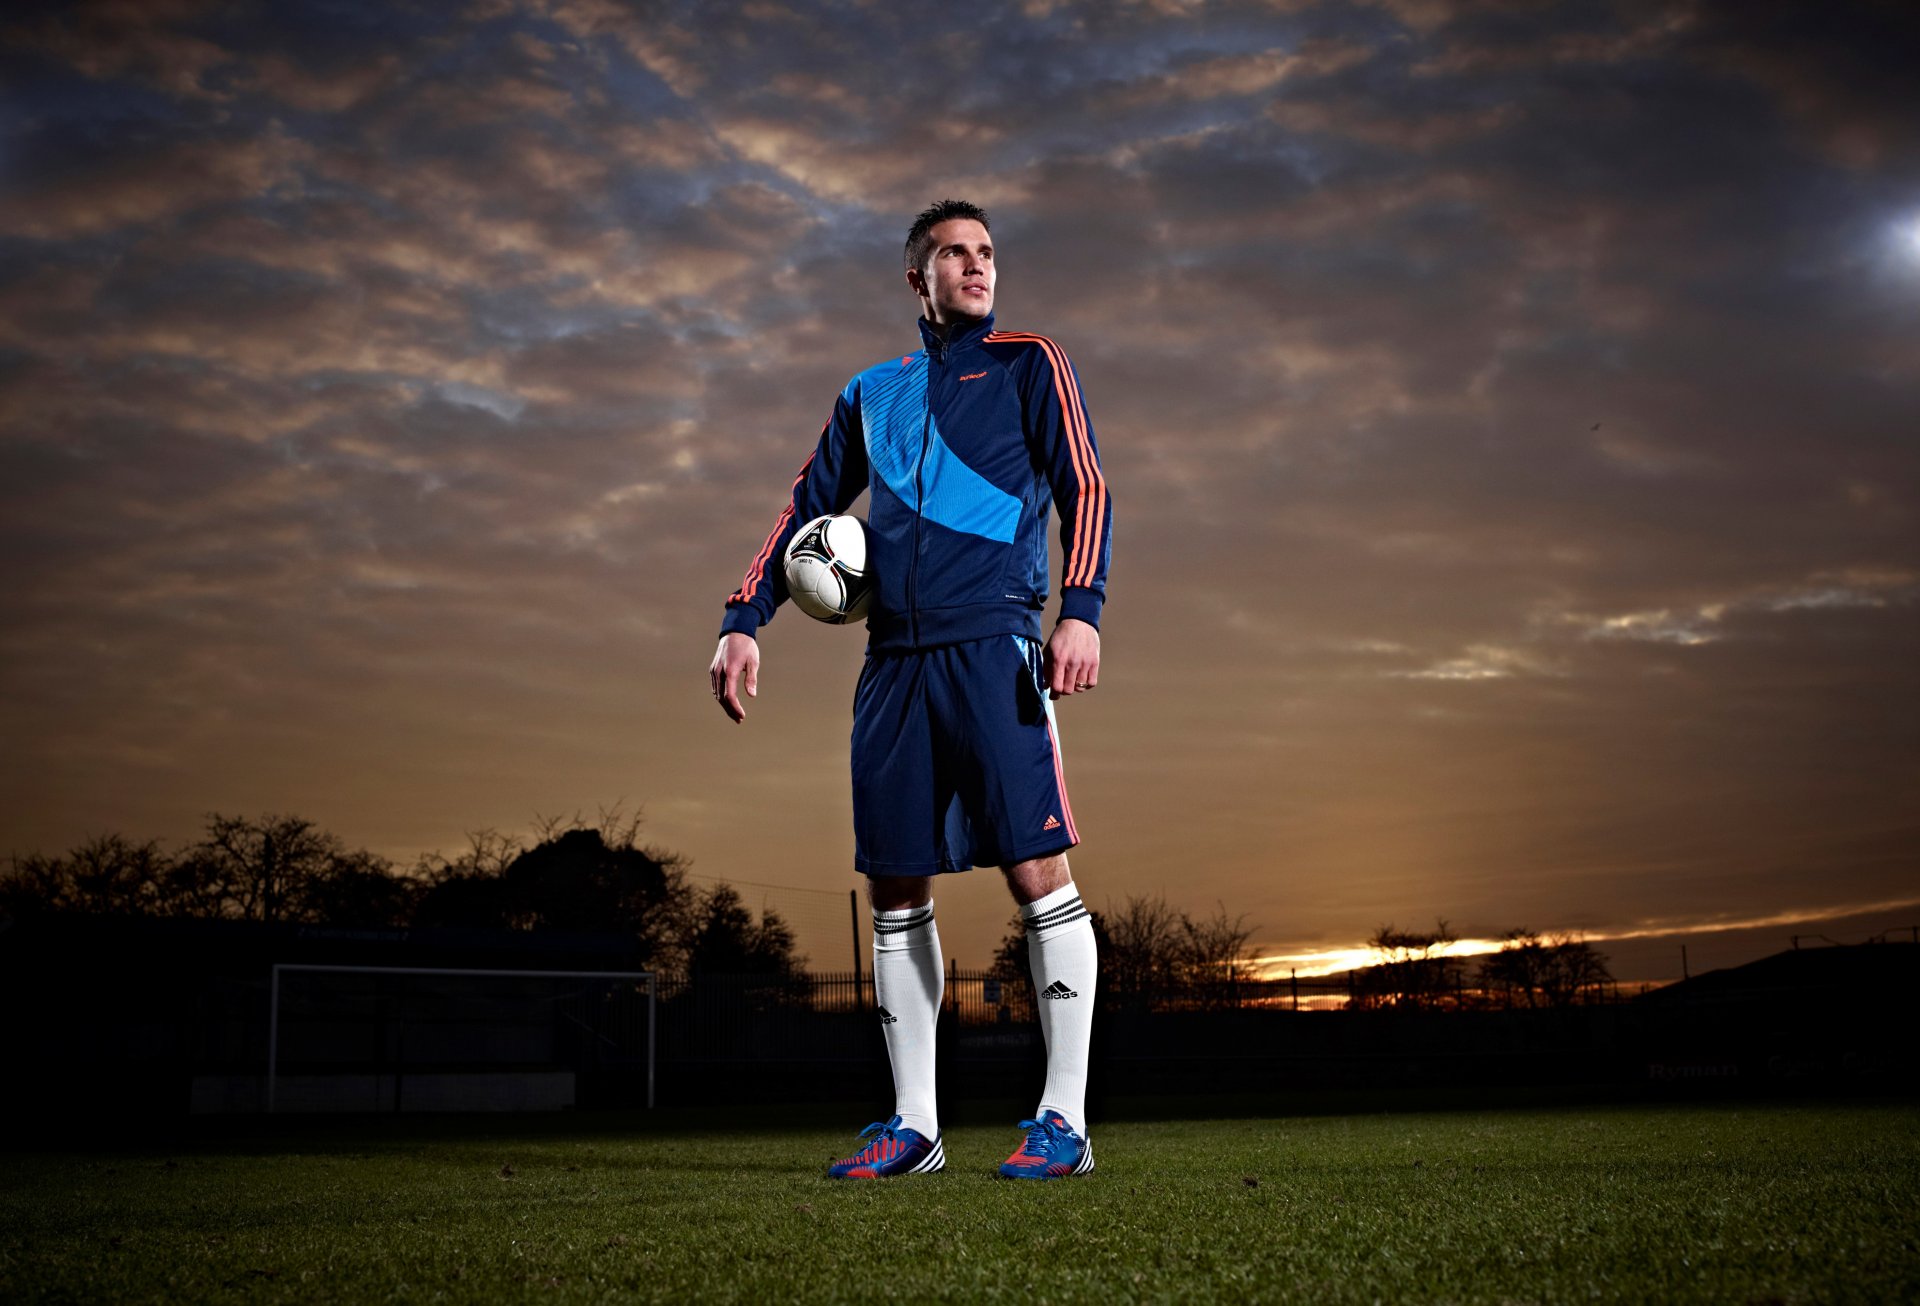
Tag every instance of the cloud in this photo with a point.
(112, 40)
(133, 185)
(1481, 662)
(1705, 622)
(1834, 75)
(1658, 34)
(1213, 77)
(332, 90)
(1510, 464)
(1356, 120)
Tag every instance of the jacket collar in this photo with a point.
(961, 337)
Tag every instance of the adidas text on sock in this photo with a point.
(1065, 964)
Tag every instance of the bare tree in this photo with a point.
(107, 874)
(1533, 972)
(34, 883)
(1215, 956)
(112, 875)
(726, 939)
(1516, 975)
(262, 868)
(1578, 973)
(615, 827)
(576, 876)
(359, 889)
(1416, 973)
(276, 868)
(1143, 958)
(588, 876)
(488, 853)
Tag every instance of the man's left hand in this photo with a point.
(1073, 658)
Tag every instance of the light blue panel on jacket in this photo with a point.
(893, 409)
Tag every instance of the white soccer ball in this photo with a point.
(827, 572)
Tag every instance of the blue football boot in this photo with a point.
(891, 1150)
(1051, 1151)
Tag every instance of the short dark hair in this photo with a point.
(920, 235)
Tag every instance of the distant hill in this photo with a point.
(1861, 975)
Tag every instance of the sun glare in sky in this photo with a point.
(1335, 961)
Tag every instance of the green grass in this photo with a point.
(1740, 1204)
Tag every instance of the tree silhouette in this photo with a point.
(261, 870)
(1580, 970)
(275, 868)
(579, 877)
(1416, 971)
(600, 877)
(724, 939)
(1515, 976)
(1142, 959)
(1532, 972)
(1215, 956)
(362, 890)
(576, 877)
(468, 891)
(106, 875)
(1151, 956)
(577, 881)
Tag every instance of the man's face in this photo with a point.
(957, 281)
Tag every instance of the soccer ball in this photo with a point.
(827, 568)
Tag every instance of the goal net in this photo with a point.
(399, 1038)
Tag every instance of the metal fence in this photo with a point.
(412, 1019)
(825, 1016)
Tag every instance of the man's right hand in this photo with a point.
(736, 660)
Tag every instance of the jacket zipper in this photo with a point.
(919, 501)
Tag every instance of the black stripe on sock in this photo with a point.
(901, 926)
(1056, 915)
(1058, 922)
(1057, 908)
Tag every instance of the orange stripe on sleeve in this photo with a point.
(1096, 482)
(757, 570)
(1093, 486)
(1084, 519)
(1083, 558)
(1073, 448)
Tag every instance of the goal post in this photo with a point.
(637, 978)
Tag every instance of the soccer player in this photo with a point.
(966, 444)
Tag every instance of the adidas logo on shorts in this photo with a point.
(1053, 823)
(1057, 989)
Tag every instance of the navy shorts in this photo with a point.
(956, 761)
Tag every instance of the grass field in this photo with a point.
(1740, 1204)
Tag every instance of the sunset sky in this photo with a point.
(1510, 410)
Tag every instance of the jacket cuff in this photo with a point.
(1082, 604)
(741, 619)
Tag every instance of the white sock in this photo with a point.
(908, 984)
(1065, 964)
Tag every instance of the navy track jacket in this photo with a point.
(966, 445)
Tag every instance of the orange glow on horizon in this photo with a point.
(1332, 961)
(1317, 962)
